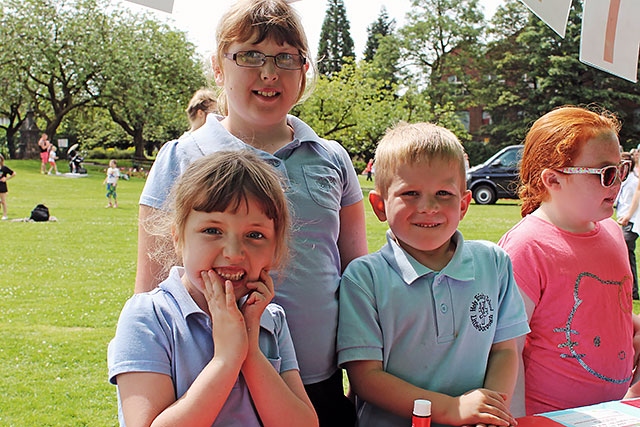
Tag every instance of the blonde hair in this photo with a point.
(256, 21)
(553, 142)
(203, 99)
(407, 143)
(216, 183)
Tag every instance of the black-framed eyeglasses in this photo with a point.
(608, 174)
(255, 59)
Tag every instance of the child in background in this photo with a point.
(570, 262)
(207, 348)
(430, 315)
(111, 180)
(202, 103)
(261, 64)
(5, 175)
(52, 160)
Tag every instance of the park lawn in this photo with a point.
(63, 284)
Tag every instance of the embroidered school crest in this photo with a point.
(482, 312)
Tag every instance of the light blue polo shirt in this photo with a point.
(431, 329)
(164, 331)
(320, 180)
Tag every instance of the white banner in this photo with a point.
(612, 43)
(554, 13)
(163, 5)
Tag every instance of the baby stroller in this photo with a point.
(75, 160)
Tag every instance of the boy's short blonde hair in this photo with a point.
(407, 143)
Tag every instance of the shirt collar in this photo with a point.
(460, 268)
(173, 286)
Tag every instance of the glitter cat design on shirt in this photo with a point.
(586, 344)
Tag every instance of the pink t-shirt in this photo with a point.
(580, 349)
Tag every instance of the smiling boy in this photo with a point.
(428, 316)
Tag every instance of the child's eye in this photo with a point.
(255, 235)
(410, 193)
(443, 193)
(212, 230)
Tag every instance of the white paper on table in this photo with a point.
(554, 13)
(610, 38)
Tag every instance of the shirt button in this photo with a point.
(443, 308)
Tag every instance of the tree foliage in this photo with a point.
(336, 45)
(533, 70)
(84, 54)
(355, 107)
(382, 27)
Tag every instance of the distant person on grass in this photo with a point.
(111, 181)
(206, 348)
(52, 160)
(5, 175)
(44, 144)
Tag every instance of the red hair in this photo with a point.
(553, 142)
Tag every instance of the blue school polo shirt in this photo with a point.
(319, 181)
(164, 331)
(433, 329)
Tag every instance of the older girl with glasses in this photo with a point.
(261, 64)
(570, 262)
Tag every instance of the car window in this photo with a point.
(510, 159)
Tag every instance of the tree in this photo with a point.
(441, 40)
(336, 44)
(13, 98)
(79, 56)
(60, 57)
(382, 27)
(535, 70)
(355, 108)
(147, 85)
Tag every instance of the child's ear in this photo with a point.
(176, 241)
(218, 75)
(377, 203)
(465, 201)
(551, 179)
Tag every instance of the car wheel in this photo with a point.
(484, 195)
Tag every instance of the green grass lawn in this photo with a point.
(63, 284)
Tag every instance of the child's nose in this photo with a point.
(429, 204)
(268, 69)
(233, 250)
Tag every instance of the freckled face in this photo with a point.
(236, 245)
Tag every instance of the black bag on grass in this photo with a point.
(40, 213)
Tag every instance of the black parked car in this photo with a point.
(496, 178)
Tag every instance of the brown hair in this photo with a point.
(553, 142)
(259, 20)
(407, 143)
(216, 183)
(203, 100)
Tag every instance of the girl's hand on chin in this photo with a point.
(261, 293)
(228, 324)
